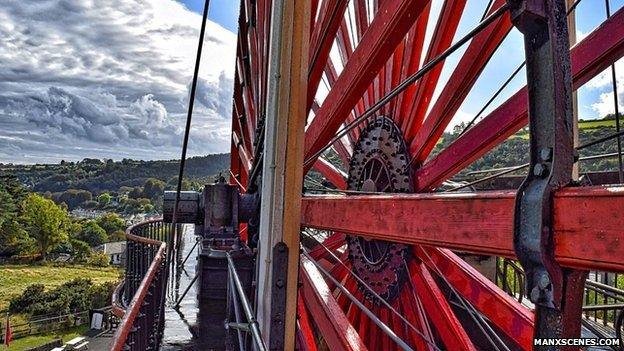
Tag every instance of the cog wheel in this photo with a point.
(379, 164)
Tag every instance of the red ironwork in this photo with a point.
(380, 44)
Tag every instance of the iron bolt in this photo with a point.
(546, 154)
(543, 282)
(535, 294)
(540, 170)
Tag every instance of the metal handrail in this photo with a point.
(129, 317)
(239, 291)
(139, 299)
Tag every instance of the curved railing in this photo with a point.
(140, 299)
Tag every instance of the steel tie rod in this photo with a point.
(360, 305)
(253, 323)
(411, 79)
(375, 293)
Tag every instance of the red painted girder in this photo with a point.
(328, 317)
(238, 119)
(332, 242)
(481, 222)
(332, 76)
(331, 173)
(361, 25)
(413, 53)
(306, 333)
(589, 57)
(414, 312)
(244, 157)
(474, 60)
(329, 20)
(385, 32)
(509, 315)
(345, 47)
(422, 91)
(438, 310)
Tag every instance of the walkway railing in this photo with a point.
(140, 299)
(603, 310)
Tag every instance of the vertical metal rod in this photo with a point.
(251, 319)
(617, 108)
(236, 310)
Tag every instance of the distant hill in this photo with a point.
(97, 176)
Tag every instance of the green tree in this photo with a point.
(111, 223)
(13, 239)
(153, 188)
(92, 234)
(104, 199)
(45, 222)
(80, 250)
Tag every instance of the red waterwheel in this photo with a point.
(384, 276)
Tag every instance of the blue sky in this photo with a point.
(590, 13)
(224, 12)
(109, 79)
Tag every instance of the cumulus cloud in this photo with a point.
(604, 83)
(85, 78)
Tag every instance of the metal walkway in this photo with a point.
(180, 322)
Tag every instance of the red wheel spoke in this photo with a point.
(333, 242)
(413, 52)
(478, 53)
(385, 32)
(332, 11)
(307, 339)
(591, 56)
(438, 309)
(328, 316)
(331, 173)
(422, 92)
(508, 314)
(415, 314)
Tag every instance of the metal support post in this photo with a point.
(556, 292)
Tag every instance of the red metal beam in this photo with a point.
(589, 57)
(329, 20)
(459, 84)
(588, 226)
(414, 312)
(331, 321)
(387, 29)
(509, 315)
(331, 173)
(438, 310)
(422, 91)
(306, 334)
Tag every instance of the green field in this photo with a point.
(15, 278)
(38, 340)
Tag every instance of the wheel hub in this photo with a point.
(379, 164)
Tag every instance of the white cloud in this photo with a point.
(86, 78)
(603, 83)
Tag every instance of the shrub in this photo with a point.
(98, 259)
(75, 295)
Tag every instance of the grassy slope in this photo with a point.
(15, 278)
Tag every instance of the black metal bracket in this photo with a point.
(278, 298)
(557, 292)
(546, 41)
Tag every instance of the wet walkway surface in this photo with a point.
(180, 322)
